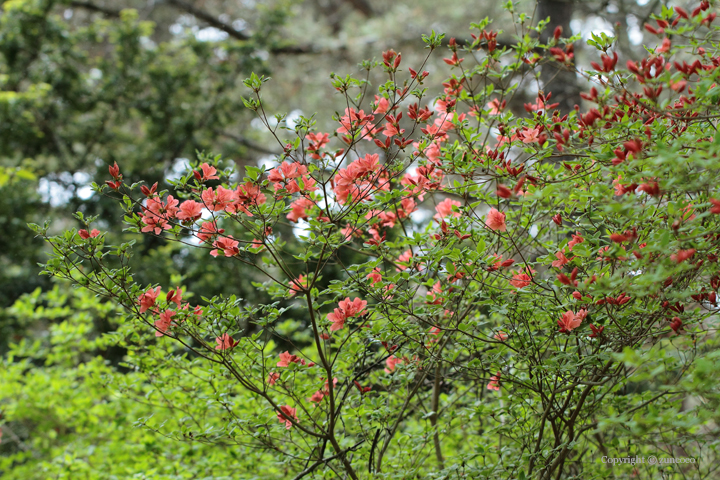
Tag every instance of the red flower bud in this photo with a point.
(503, 191)
(596, 331)
(149, 191)
(618, 238)
(114, 171)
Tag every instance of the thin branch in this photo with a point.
(236, 34)
(325, 460)
(248, 143)
(209, 19)
(96, 8)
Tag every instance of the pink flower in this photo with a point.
(522, 279)
(387, 219)
(392, 130)
(218, 200)
(285, 175)
(208, 172)
(682, 255)
(495, 107)
(500, 336)
(227, 245)
(530, 136)
(404, 260)
(494, 383)
(347, 309)
(391, 362)
(225, 342)
(287, 171)
(570, 321)
(155, 216)
(382, 105)
(374, 276)
(163, 323)
(408, 206)
(337, 319)
(298, 208)
(174, 296)
(163, 210)
(349, 231)
(273, 378)
(353, 121)
(190, 210)
(147, 299)
(286, 358)
(356, 180)
(326, 388)
(85, 235)
(353, 308)
(433, 153)
(317, 141)
(496, 220)
(445, 209)
(297, 286)
(576, 239)
(434, 294)
(619, 188)
(285, 414)
(316, 397)
(561, 259)
(247, 195)
(208, 230)
(715, 209)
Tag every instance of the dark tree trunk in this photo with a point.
(557, 79)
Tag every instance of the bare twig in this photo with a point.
(110, 12)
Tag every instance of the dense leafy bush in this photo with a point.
(70, 414)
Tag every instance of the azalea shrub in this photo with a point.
(467, 293)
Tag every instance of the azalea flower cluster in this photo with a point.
(148, 301)
(346, 309)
